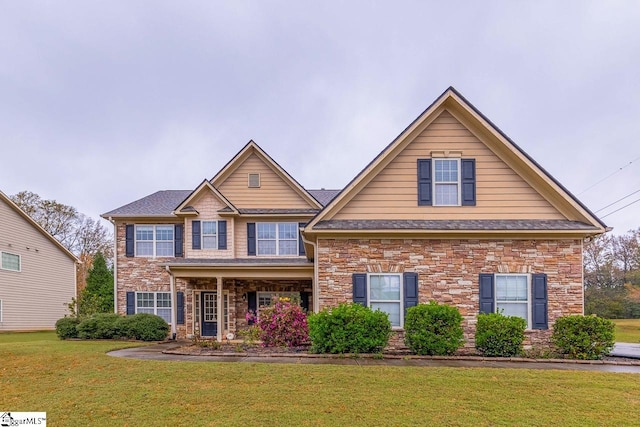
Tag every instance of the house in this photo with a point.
(37, 273)
(452, 210)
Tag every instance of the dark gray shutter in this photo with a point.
(252, 303)
(180, 308)
(304, 301)
(539, 301)
(424, 182)
(131, 303)
(301, 251)
(359, 281)
(487, 297)
(251, 238)
(179, 238)
(410, 290)
(195, 235)
(222, 235)
(130, 240)
(468, 182)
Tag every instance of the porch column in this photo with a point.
(220, 304)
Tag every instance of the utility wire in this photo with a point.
(619, 209)
(619, 200)
(608, 176)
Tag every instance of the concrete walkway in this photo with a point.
(156, 352)
(623, 349)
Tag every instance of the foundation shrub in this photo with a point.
(283, 324)
(144, 327)
(498, 335)
(67, 327)
(349, 328)
(99, 326)
(583, 337)
(433, 329)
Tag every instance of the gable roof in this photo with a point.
(23, 214)
(159, 204)
(252, 148)
(451, 100)
(184, 207)
(324, 197)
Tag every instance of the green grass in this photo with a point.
(627, 330)
(76, 383)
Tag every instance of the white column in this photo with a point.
(220, 304)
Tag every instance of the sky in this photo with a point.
(105, 102)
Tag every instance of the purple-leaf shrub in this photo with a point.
(283, 325)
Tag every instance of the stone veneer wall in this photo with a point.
(448, 271)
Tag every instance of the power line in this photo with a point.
(619, 209)
(608, 176)
(619, 200)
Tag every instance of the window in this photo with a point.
(512, 295)
(209, 235)
(254, 180)
(265, 298)
(154, 240)
(446, 182)
(158, 303)
(385, 293)
(10, 261)
(277, 238)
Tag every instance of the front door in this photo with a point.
(209, 320)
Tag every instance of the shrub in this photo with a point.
(99, 326)
(283, 325)
(349, 328)
(433, 329)
(500, 335)
(583, 337)
(67, 327)
(143, 326)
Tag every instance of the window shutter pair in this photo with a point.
(196, 235)
(130, 240)
(410, 283)
(131, 306)
(251, 239)
(539, 312)
(468, 182)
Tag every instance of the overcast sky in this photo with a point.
(104, 102)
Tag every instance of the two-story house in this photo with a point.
(452, 210)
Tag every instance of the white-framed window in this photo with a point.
(254, 180)
(196, 309)
(158, 303)
(277, 238)
(266, 298)
(446, 182)
(209, 235)
(513, 296)
(384, 292)
(10, 262)
(154, 240)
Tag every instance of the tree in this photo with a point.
(99, 285)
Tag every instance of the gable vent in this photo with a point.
(254, 180)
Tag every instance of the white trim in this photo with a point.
(155, 303)
(277, 239)
(1, 311)
(154, 241)
(202, 235)
(195, 295)
(399, 301)
(458, 183)
(271, 295)
(11, 269)
(527, 302)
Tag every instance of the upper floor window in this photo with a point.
(254, 180)
(154, 240)
(209, 235)
(446, 182)
(10, 261)
(277, 238)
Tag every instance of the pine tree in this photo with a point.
(100, 284)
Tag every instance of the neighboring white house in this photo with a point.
(37, 273)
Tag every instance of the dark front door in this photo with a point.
(208, 313)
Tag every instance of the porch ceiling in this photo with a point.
(262, 268)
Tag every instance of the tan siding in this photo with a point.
(273, 193)
(208, 205)
(35, 297)
(501, 193)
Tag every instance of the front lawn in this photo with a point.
(76, 383)
(627, 330)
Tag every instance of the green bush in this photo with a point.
(99, 326)
(67, 327)
(500, 335)
(583, 337)
(349, 328)
(143, 326)
(433, 329)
